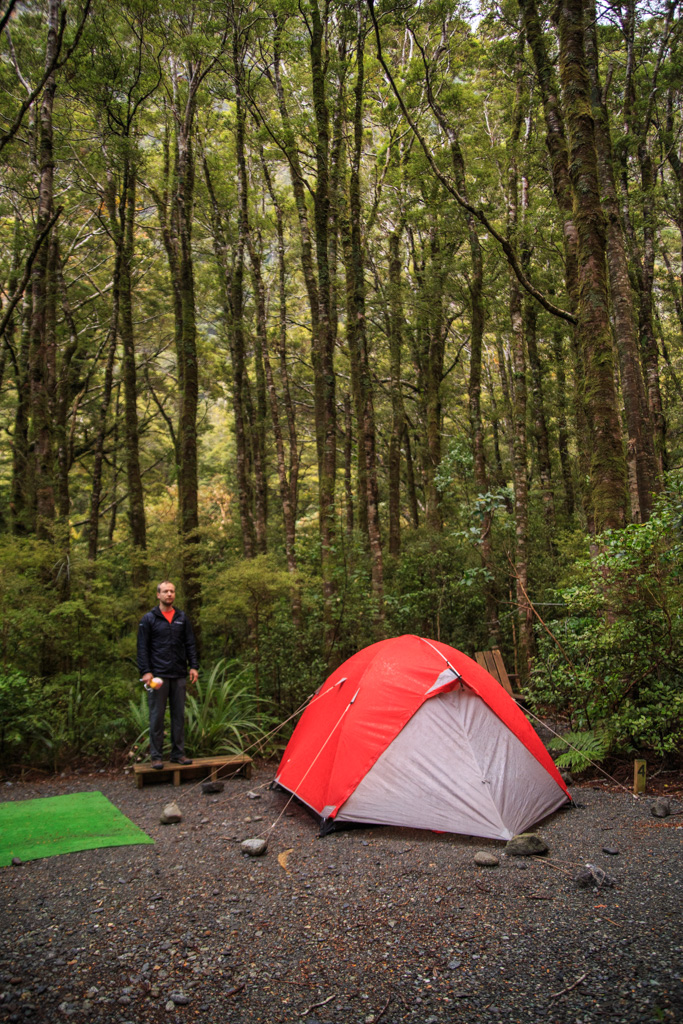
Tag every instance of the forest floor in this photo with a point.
(369, 925)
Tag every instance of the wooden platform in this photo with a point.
(202, 767)
(493, 662)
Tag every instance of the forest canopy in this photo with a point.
(353, 318)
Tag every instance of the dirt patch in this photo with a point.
(363, 926)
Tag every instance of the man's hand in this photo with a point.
(194, 675)
(146, 678)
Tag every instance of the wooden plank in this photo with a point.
(213, 767)
(491, 665)
(503, 678)
(480, 659)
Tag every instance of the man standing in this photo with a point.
(166, 646)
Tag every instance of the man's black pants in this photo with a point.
(173, 691)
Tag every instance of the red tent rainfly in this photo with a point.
(412, 732)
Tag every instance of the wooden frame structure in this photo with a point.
(202, 767)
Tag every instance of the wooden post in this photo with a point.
(639, 776)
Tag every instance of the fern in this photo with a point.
(580, 749)
(222, 715)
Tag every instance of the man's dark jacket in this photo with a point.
(166, 648)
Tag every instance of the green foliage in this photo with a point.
(578, 750)
(621, 642)
(222, 715)
(22, 727)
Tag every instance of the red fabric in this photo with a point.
(349, 724)
(168, 615)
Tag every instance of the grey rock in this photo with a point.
(611, 851)
(454, 964)
(171, 814)
(17, 862)
(526, 845)
(661, 808)
(125, 1000)
(485, 859)
(170, 1005)
(253, 796)
(254, 847)
(592, 875)
(213, 786)
(179, 998)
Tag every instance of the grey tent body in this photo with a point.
(455, 767)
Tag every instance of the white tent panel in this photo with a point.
(522, 790)
(455, 767)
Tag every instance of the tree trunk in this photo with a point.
(607, 469)
(398, 419)
(232, 278)
(22, 468)
(42, 344)
(357, 330)
(640, 449)
(322, 351)
(256, 416)
(288, 466)
(558, 152)
(562, 430)
(524, 612)
(136, 498)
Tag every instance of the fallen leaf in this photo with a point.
(283, 857)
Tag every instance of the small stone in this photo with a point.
(485, 859)
(526, 845)
(253, 796)
(213, 786)
(125, 1000)
(180, 999)
(454, 964)
(254, 847)
(612, 851)
(17, 862)
(592, 875)
(171, 814)
(170, 1005)
(661, 808)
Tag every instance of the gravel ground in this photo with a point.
(367, 925)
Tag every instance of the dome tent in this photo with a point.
(412, 732)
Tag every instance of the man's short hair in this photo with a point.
(160, 585)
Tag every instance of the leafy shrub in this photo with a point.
(619, 662)
(222, 715)
(23, 728)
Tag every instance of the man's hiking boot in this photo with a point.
(181, 760)
(157, 763)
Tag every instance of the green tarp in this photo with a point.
(48, 826)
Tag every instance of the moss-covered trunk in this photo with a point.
(607, 468)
